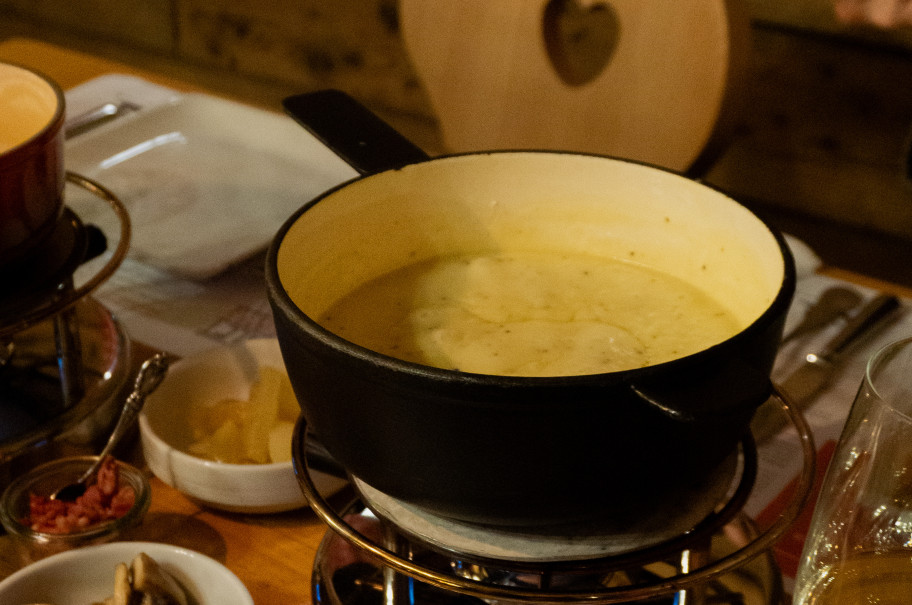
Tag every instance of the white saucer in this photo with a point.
(603, 538)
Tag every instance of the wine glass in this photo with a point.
(859, 546)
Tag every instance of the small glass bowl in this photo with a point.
(44, 480)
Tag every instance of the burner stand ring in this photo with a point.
(72, 295)
(665, 586)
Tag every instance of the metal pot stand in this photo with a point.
(381, 551)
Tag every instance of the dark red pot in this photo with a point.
(31, 161)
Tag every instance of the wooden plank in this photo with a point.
(827, 134)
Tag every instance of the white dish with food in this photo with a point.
(219, 430)
(87, 575)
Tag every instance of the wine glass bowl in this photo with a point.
(859, 545)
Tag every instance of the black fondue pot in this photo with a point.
(520, 450)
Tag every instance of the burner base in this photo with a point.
(343, 575)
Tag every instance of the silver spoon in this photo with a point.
(150, 375)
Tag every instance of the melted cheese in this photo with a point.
(530, 315)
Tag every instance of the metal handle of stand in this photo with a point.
(665, 586)
(72, 295)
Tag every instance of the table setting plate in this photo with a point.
(207, 181)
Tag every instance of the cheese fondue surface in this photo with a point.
(530, 315)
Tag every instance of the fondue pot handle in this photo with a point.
(701, 392)
(353, 132)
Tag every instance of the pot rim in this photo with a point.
(280, 297)
(51, 128)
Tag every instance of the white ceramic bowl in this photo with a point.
(86, 575)
(212, 376)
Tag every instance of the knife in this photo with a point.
(834, 303)
(97, 116)
(802, 385)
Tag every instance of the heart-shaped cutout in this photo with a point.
(580, 40)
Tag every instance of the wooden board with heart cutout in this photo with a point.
(651, 80)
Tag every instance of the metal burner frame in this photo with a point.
(691, 574)
(63, 296)
(67, 294)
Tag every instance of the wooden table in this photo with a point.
(271, 554)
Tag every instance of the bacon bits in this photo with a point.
(104, 500)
